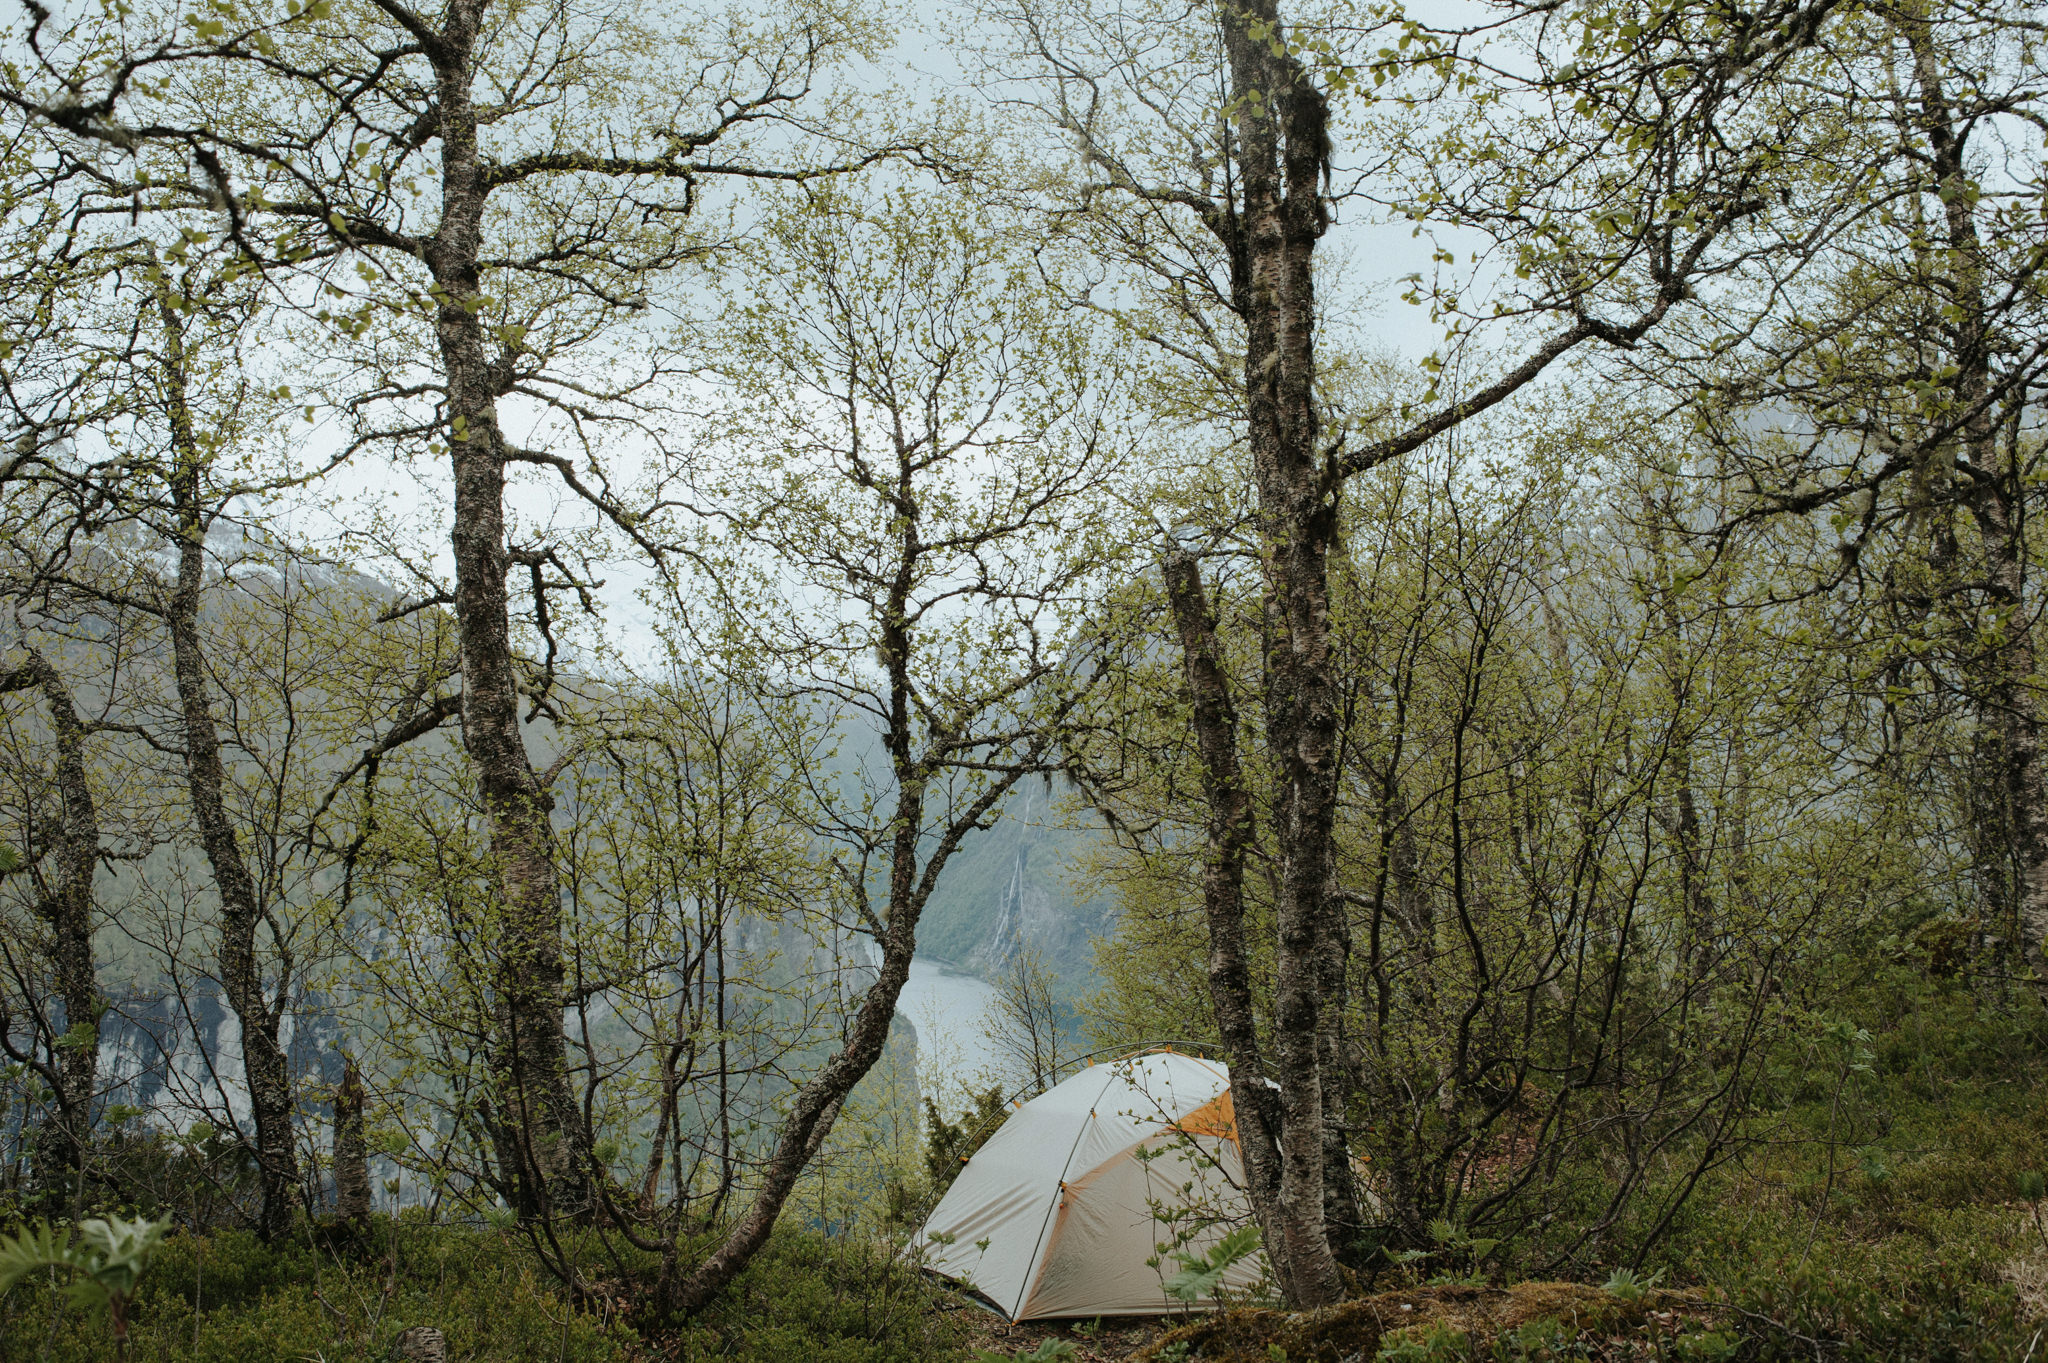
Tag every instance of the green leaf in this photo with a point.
(1626, 1285)
(37, 1247)
(1201, 1275)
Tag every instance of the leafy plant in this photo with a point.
(949, 1144)
(1201, 1274)
(2032, 1187)
(1473, 1279)
(1625, 1284)
(1438, 1344)
(1708, 1346)
(1537, 1339)
(1047, 1350)
(1459, 1245)
(106, 1262)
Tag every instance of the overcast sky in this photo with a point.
(1361, 263)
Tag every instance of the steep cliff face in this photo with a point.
(1018, 884)
(178, 1060)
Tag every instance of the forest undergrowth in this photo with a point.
(1497, 541)
(1882, 1213)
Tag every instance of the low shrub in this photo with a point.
(809, 1297)
(227, 1298)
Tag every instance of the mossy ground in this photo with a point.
(1876, 1220)
(1878, 1224)
(1426, 1321)
(226, 1298)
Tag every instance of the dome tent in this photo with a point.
(1057, 1214)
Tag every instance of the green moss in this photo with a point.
(1429, 1322)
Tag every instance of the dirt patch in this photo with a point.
(1107, 1341)
(1357, 1330)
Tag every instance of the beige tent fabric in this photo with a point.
(1057, 1214)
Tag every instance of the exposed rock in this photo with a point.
(420, 1344)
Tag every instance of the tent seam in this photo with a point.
(1034, 1268)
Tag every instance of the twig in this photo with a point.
(1819, 1346)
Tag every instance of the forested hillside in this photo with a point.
(1471, 566)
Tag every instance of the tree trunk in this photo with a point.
(1683, 821)
(263, 1059)
(810, 1120)
(1282, 126)
(1285, 141)
(351, 1149)
(67, 908)
(816, 1105)
(1259, 1118)
(541, 1129)
(2009, 707)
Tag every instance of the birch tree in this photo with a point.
(424, 187)
(1891, 402)
(59, 857)
(906, 525)
(1210, 164)
(148, 466)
